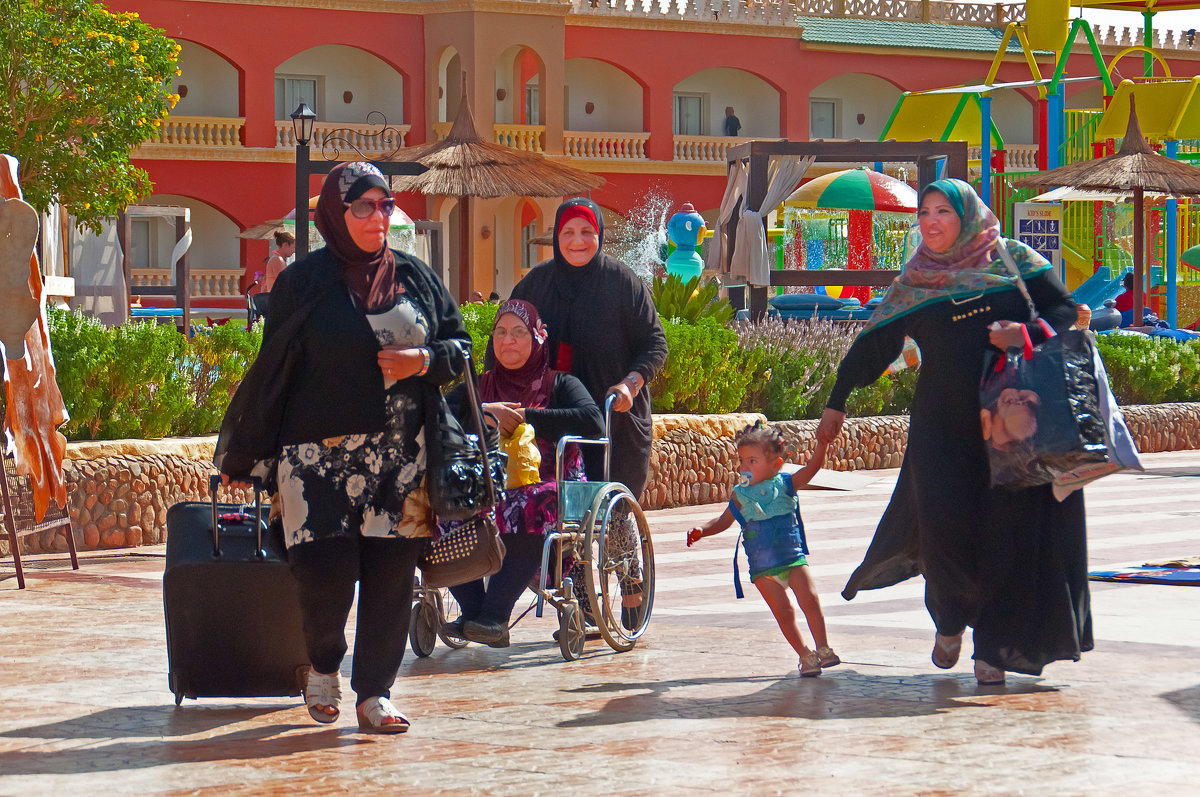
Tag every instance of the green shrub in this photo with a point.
(144, 379)
(796, 366)
(214, 366)
(690, 301)
(1150, 370)
(479, 318)
(706, 370)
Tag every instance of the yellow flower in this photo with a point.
(133, 45)
(111, 62)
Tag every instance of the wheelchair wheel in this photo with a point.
(571, 634)
(448, 611)
(424, 626)
(620, 566)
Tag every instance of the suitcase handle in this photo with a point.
(214, 481)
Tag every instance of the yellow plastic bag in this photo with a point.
(524, 458)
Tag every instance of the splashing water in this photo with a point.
(643, 249)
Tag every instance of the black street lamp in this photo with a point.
(302, 125)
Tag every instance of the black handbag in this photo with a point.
(465, 479)
(458, 461)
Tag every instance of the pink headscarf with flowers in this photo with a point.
(532, 384)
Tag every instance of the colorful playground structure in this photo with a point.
(1089, 234)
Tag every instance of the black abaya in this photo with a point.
(607, 316)
(1013, 565)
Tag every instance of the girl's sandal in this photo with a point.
(378, 715)
(323, 696)
(946, 650)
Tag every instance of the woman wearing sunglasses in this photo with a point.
(335, 399)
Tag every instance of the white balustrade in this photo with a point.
(605, 146)
(527, 138)
(207, 283)
(1017, 157)
(706, 149)
(345, 138)
(199, 131)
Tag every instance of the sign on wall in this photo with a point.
(1038, 225)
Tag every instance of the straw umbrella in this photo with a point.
(463, 165)
(1136, 168)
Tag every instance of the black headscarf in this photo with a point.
(371, 276)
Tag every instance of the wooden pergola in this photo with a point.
(926, 155)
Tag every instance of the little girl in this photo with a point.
(766, 507)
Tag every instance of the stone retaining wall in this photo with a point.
(119, 492)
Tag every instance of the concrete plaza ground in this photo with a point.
(709, 703)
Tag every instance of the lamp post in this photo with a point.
(302, 125)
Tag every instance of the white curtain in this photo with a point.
(735, 189)
(751, 259)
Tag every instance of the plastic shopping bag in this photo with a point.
(1122, 451)
(524, 458)
(1041, 413)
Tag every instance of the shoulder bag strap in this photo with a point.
(477, 420)
(1010, 264)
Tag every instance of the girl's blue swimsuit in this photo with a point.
(771, 526)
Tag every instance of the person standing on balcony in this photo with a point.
(732, 123)
(1012, 564)
(605, 330)
(336, 400)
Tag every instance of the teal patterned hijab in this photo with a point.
(969, 267)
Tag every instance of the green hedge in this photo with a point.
(146, 380)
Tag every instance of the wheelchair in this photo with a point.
(602, 536)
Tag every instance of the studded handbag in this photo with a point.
(465, 479)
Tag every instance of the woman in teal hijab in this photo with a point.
(1011, 565)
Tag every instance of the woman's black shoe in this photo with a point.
(454, 628)
(494, 635)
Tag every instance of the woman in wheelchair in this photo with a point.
(528, 399)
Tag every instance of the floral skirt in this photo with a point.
(368, 484)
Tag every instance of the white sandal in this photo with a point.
(378, 715)
(987, 675)
(323, 692)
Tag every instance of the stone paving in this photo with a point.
(709, 703)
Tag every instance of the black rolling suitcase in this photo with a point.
(233, 617)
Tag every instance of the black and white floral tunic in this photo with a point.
(367, 484)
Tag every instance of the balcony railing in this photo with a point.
(207, 283)
(199, 131)
(993, 15)
(527, 138)
(705, 149)
(605, 146)
(1017, 157)
(348, 137)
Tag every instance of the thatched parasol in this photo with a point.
(1135, 168)
(463, 165)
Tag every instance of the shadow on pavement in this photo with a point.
(1186, 700)
(160, 729)
(837, 694)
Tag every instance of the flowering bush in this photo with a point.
(83, 87)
